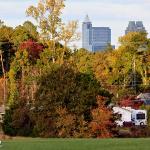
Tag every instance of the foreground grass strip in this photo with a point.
(77, 144)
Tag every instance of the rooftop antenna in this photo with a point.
(87, 18)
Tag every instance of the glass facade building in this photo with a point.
(95, 38)
(135, 26)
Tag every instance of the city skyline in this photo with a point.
(113, 13)
(95, 38)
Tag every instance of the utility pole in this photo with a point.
(141, 49)
(134, 73)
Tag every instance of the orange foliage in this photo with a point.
(64, 122)
(101, 123)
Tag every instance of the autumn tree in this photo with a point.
(6, 45)
(65, 122)
(18, 69)
(6, 33)
(101, 123)
(32, 29)
(130, 50)
(103, 67)
(21, 34)
(68, 34)
(76, 93)
(47, 14)
(125, 67)
(33, 48)
(83, 60)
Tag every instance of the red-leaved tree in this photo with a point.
(130, 101)
(34, 49)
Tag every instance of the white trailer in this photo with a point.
(129, 115)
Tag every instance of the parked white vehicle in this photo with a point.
(139, 117)
(127, 114)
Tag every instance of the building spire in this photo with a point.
(87, 18)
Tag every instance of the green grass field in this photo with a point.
(77, 144)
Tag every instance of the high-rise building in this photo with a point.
(95, 38)
(135, 26)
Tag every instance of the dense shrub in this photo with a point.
(140, 131)
(17, 121)
(7, 124)
(134, 132)
(72, 92)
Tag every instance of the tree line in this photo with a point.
(56, 91)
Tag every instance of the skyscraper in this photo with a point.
(95, 38)
(87, 34)
(135, 26)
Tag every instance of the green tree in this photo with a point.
(76, 93)
(6, 33)
(130, 51)
(83, 60)
(20, 35)
(18, 69)
(32, 29)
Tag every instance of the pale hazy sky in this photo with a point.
(111, 13)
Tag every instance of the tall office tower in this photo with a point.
(95, 38)
(135, 26)
(87, 34)
(101, 37)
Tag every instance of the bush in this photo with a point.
(134, 132)
(7, 124)
(17, 121)
(140, 131)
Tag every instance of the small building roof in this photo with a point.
(145, 96)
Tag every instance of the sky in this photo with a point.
(109, 13)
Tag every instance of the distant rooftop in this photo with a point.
(144, 96)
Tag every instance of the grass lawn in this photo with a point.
(77, 144)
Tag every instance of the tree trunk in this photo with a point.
(3, 70)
